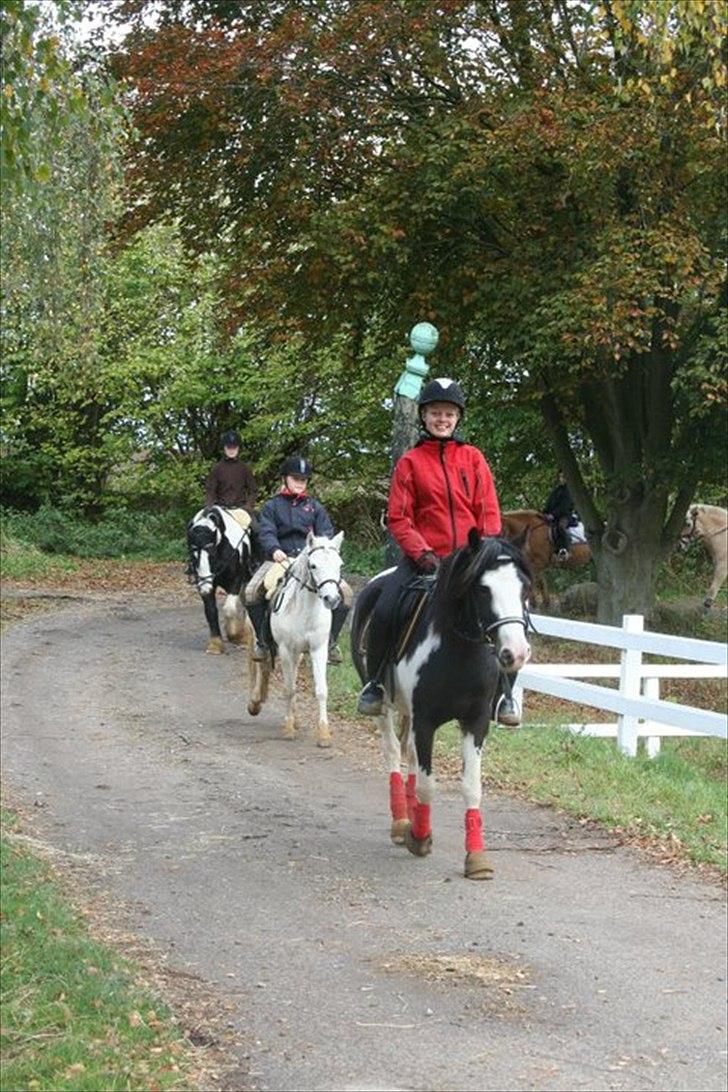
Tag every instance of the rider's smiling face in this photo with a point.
(441, 418)
(294, 483)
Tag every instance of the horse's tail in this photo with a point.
(365, 603)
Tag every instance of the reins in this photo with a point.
(312, 587)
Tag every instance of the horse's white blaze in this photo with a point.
(472, 780)
(204, 573)
(407, 671)
(505, 586)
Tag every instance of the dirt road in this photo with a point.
(265, 867)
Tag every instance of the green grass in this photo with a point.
(73, 1016)
(20, 560)
(679, 797)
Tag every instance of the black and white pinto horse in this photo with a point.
(220, 556)
(472, 627)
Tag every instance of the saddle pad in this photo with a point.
(274, 576)
(241, 517)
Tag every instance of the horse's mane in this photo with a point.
(523, 513)
(461, 570)
(711, 509)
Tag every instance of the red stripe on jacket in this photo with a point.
(439, 491)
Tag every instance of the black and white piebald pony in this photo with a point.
(472, 627)
(220, 556)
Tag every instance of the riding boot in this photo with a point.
(257, 612)
(506, 711)
(338, 617)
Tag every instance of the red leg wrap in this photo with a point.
(473, 831)
(397, 799)
(421, 822)
(411, 796)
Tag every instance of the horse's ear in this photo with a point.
(309, 538)
(474, 539)
(337, 540)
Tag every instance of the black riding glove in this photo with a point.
(427, 562)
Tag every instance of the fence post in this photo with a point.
(651, 689)
(629, 686)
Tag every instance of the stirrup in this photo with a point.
(371, 700)
(507, 712)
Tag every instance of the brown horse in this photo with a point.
(531, 530)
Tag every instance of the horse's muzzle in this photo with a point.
(332, 600)
(513, 652)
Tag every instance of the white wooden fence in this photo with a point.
(640, 712)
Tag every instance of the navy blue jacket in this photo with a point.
(285, 522)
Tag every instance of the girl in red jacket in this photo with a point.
(440, 489)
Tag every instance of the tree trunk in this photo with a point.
(626, 582)
(628, 557)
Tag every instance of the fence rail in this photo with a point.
(640, 711)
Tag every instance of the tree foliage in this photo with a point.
(542, 180)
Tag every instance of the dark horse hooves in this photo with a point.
(478, 866)
(419, 846)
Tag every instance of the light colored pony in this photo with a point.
(709, 524)
(301, 622)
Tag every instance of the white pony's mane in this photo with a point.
(712, 509)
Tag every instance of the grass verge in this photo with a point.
(73, 1014)
(675, 803)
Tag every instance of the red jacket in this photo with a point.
(440, 490)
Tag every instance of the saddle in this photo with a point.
(559, 536)
(412, 600)
(241, 517)
(274, 577)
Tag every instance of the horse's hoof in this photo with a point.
(478, 866)
(236, 638)
(254, 708)
(323, 741)
(288, 731)
(420, 847)
(215, 647)
(398, 831)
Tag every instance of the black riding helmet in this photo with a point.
(442, 390)
(231, 438)
(296, 464)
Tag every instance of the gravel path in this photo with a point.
(344, 963)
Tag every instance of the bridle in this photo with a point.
(213, 558)
(694, 535)
(485, 635)
(313, 586)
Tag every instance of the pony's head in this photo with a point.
(323, 558)
(690, 526)
(481, 596)
(203, 537)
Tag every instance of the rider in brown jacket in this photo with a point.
(230, 483)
